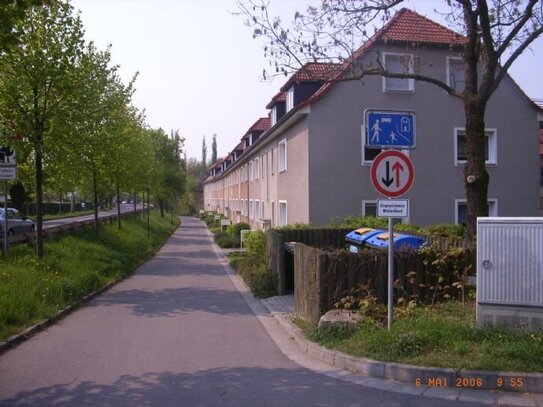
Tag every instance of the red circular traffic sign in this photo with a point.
(392, 173)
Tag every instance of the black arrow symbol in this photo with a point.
(387, 181)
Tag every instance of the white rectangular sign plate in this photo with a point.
(7, 173)
(393, 208)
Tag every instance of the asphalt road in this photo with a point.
(177, 333)
(102, 213)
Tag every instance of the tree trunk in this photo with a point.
(135, 204)
(148, 214)
(72, 202)
(118, 205)
(161, 206)
(38, 165)
(95, 199)
(476, 178)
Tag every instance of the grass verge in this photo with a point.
(75, 264)
(443, 336)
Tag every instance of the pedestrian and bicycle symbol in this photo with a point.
(389, 129)
(392, 173)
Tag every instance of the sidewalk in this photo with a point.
(440, 382)
(282, 308)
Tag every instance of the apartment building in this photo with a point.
(308, 162)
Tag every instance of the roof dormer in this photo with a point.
(306, 81)
(277, 107)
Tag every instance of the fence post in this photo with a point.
(276, 258)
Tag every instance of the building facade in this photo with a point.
(308, 161)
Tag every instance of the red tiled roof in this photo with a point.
(262, 124)
(216, 164)
(280, 97)
(408, 26)
(313, 72)
(405, 26)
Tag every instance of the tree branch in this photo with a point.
(528, 13)
(520, 49)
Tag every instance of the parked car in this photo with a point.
(17, 222)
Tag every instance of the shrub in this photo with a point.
(444, 229)
(252, 268)
(236, 228)
(234, 231)
(224, 239)
(296, 226)
(356, 222)
(255, 243)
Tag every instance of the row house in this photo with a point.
(307, 162)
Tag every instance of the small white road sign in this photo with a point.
(393, 208)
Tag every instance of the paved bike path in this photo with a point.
(177, 332)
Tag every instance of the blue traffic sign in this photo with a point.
(390, 129)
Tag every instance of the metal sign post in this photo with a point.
(392, 175)
(390, 272)
(8, 170)
(5, 219)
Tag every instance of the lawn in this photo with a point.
(75, 264)
(442, 336)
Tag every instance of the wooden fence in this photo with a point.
(329, 239)
(322, 278)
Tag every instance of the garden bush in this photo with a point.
(255, 244)
(236, 228)
(252, 269)
(225, 240)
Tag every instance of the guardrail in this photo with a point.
(77, 224)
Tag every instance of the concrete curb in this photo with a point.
(17, 339)
(467, 385)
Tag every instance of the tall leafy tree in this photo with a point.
(496, 33)
(37, 85)
(95, 139)
(204, 152)
(214, 149)
(169, 173)
(12, 12)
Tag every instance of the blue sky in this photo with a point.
(199, 67)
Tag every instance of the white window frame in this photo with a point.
(257, 209)
(256, 169)
(280, 223)
(453, 61)
(251, 209)
(492, 207)
(365, 203)
(492, 135)
(290, 99)
(273, 115)
(388, 82)
(282, 163)
(251, 175)
(262, 210)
